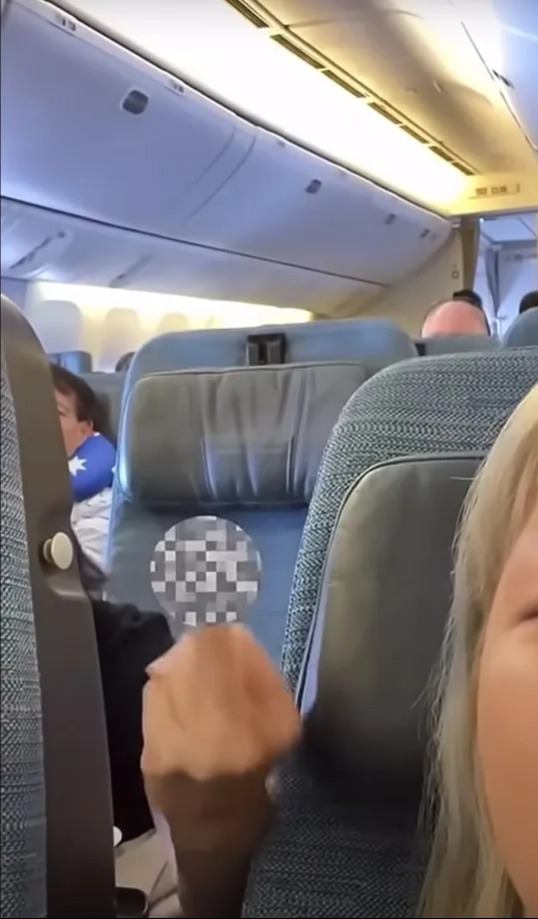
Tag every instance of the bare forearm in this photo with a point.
(212, 884)
(215, 829)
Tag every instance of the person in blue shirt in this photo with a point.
(92, 460)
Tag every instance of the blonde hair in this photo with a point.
(466, 877)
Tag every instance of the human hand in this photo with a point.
(215, 706)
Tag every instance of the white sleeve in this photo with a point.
(91, 522)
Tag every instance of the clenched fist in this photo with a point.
(217, 717)
(216, 706)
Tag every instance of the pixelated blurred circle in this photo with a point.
(206, 571)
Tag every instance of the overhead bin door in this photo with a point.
(295, 207)
(92, 130)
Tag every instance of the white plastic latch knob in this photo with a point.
(58, 551)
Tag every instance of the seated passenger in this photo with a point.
(469, 296)
(455, 317)
(484, 860)
(92, 459)
(128, 641)
(529, 301)
(213, 728)
(124, 362)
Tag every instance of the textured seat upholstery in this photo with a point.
(374, 342)
(524, 331)
(23, 842)
(346, 843)
(79, 862)
(75, 361)
(240, 446)
(456, 344)
(108, 387)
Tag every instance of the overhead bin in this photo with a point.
(69, 143)
(101, 255)
(293, 206)
(179, 194)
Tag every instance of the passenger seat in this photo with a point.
(75, 361)
(374, 342)
(108, 388)
(369, 602)
(456, 344)
(57, 855)
(523, 332)
(230, 456)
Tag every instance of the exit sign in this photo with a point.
(495, 190)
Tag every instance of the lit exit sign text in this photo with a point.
(497, 190)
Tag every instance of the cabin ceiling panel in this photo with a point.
(418, 55)
(509, 229)
(518, 60)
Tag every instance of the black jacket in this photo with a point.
(128, 641)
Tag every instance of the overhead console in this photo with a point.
(115, 172)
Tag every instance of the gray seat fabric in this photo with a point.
(375, 342)
(23, 832)
(524, 331)
(108, 387)
(75, 361)
(80, 876)
(240, 446)
(355, 854)
(457, 344)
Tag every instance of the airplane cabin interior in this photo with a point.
(227, 227)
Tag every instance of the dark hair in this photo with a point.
(87, 405)
(469, 296)
(529, 301)
(124, 361)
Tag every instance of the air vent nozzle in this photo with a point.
(298, 52)
(254, 17)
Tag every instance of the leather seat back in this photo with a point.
(235, 453)
(75, 361)
(523, 333)
(374, 342)
(108, 387)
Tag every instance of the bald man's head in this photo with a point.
(455, 317)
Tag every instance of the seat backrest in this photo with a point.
(524, 331)
(232, 452)
(449, 404)
(456, 344)
(403, 452)
(75, 361)
(80, 864)
(375, 342)
(108, 387)
(23, 833)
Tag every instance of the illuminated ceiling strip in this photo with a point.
(295, 44)
(200, 312)
(212, 44)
